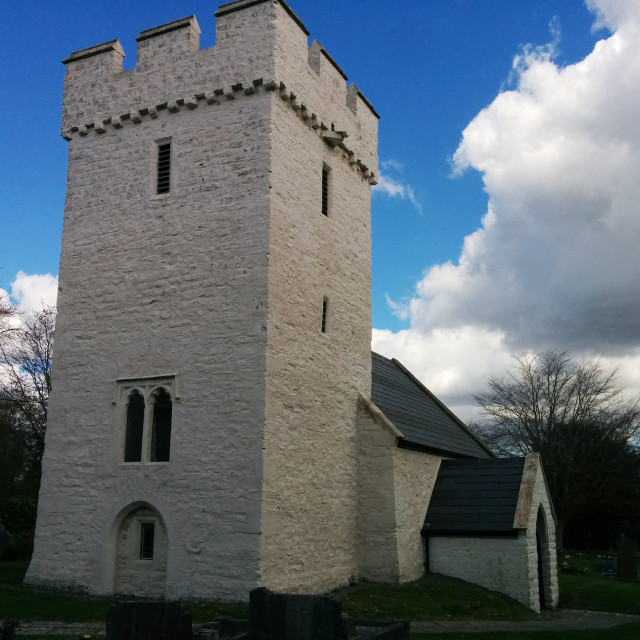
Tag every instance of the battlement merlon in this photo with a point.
(158, 46)
(106, 58)
(254, 39)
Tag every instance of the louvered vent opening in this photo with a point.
(325, 191)
(164, 167)
(325, 314)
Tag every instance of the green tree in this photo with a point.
(577, 416)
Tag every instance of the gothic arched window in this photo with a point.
(161, 426)
(135, 423)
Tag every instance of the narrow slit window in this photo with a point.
(325, 190)
(161, 427)
(325, 314)
(147, 534)
(164, 168)
(133, 434)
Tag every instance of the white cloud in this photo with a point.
(33, 292)
(452, 363)
(392, 164)
(614, 14)
(555, 262)
(399, 309)
(394, 187)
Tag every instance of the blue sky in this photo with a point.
(430, 67)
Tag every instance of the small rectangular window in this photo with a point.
(147, 531)
(164, 168)
(325, 314)
(325, 190)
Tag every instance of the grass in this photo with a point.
(25, 603)
(56, 637)
(622, 632)
(432, 598)
(593, 592)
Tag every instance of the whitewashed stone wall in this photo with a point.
(377, 532)
(415, 477)
(136, 576)
(310, 449)
(509, 564)
(496, 563)
(535, 511)
(219, 284)
(395, 487)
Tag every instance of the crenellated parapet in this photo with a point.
(325, 129)
(261, 46)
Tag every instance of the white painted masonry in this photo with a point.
(395, 487)
(249, 306)
(509, 564)
(219, 283)
(497, 563)
(415, 476)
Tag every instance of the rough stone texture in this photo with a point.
(132, 574)
(497, 563)
(310, 479)
(541, 522)
(509, 564)
(395, 487)
(415, 477)
(217, 286)
(377, 548)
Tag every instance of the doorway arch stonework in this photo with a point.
(141, 552)
(545, 560)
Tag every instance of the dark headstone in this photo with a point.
(148, 621)
(277, 616)
(605, 565)
(5, 538)
(626, 553)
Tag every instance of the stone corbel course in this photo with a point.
(223, 94)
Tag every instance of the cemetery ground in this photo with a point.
(582, 586)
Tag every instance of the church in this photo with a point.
(218, 421)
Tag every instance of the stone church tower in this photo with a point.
(214, 315)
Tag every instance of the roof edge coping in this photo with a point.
(378, 416)
(237, 5)
(174, 25)
(97, 49)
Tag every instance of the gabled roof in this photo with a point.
(475, 496)
(423, 420)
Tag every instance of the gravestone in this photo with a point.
(606, 565)
(626, 552)
(278, 616)
(148, 621)
(5, 538)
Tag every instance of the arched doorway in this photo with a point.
(141, 552)
(544, 569)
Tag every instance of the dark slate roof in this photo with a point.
(475, 496)
(424, 421)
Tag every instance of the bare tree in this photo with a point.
(6, 313)
(26, 350)
(577, 416)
